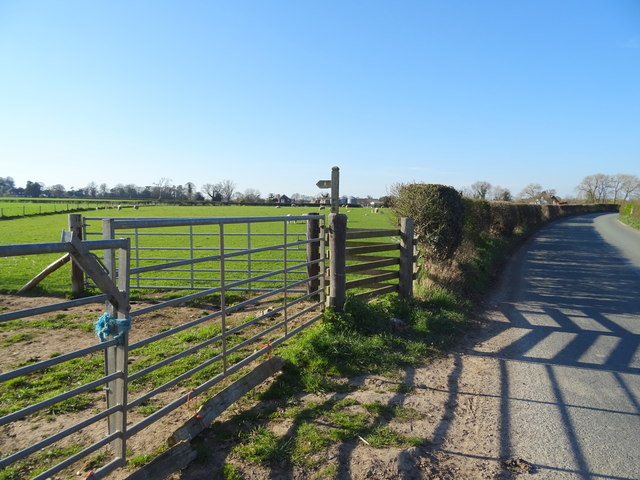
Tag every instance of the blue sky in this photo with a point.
(272, 94)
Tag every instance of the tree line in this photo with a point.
(162, 190)
(598, 188)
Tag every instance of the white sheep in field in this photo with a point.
(135, 207)
(119, 207)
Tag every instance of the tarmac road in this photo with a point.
(567, 346)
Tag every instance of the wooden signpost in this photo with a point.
(334, 185)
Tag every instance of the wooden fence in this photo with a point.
(356, 262)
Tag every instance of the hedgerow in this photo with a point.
(438, 215)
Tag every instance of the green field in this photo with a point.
(16, 271)
(24, 207)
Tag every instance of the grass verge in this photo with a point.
(360, 340)
(630, 214)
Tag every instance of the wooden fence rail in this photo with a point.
(346, 245)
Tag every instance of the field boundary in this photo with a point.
(232, 346)
(296, 286)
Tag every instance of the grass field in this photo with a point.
(12, 208)
(16, 271)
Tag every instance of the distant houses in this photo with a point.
(283, 200)
(345, 201)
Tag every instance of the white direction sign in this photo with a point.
(323, 184)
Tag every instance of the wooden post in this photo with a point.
(77, 274)
(406, 258)
(116, 361)
(313, 254)
(109, 258)
(335, 190)
(338, 260)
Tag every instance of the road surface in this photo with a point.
(564, 342)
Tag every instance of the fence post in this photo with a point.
(406, 258)
(338, 260)
(313, 254)
(109, 258)
(77, 274)
(117, 360)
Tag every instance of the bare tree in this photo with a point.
(227, 187)
(625, 186)
(91, 189)
(501, 194)
(531, 192)
(56, 191)
(213, 191)
(629, 186)
(603, 187)
(251, 195)
(162, 189)
(595, 188)
(480, 189)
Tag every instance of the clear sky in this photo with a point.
(272, 94)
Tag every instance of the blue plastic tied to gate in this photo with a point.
(107, 326)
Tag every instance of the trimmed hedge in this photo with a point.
(503, 219)
(463, 239)
(438, 215)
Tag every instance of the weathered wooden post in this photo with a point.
(337, 260)
(406, 258)
(117, 359)
(313, 254)
(335, 190)
(77, 274)
(108, 233)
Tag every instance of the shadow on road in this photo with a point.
(569, 328)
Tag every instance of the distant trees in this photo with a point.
(191, 190)
(56, 191)
(534, 193)
(91, 190)
(163, 189)
(33, 189)
(501, 194)
(213, 191)
(601, 188)
(6, 185)
(227, 188)
(485, 191)
(250, 195)
(221, 191)
(480, 190)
